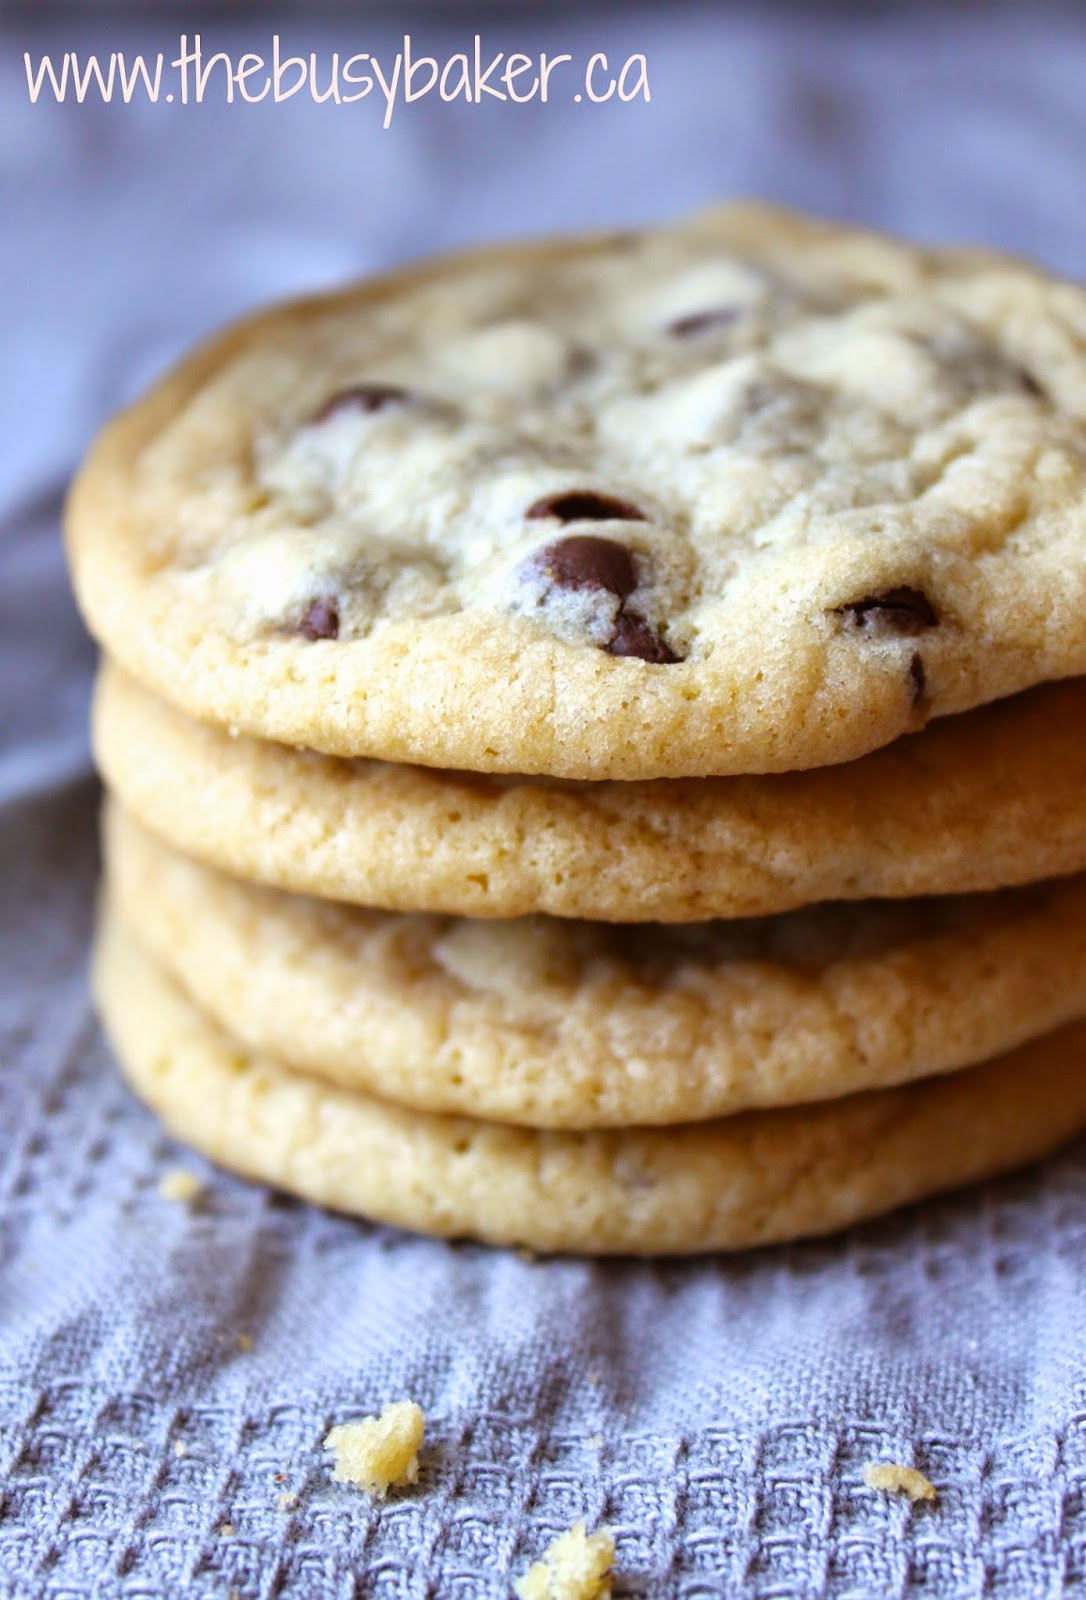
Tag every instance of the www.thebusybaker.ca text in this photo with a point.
(471, 76)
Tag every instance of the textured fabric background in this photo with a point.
(718, 1413)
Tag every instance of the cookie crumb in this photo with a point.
(379, 1453)
(575, 1566)
(179, 1447)
(894, 1479)
(287, 1501)
(180, 1186)
(227, 1530)
(244, 1342)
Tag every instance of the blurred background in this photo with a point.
(127, 231)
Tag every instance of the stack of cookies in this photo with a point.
(594, 753)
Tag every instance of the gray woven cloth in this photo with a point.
(716, 1414)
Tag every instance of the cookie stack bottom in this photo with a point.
(567, 1085)
(756, 1178)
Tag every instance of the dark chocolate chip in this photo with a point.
(584, 505)
(917, 678)
(1030, 384)
(707, 321)
(584, 561)
(321, 620)
(361, 397)
(634, 637)
(903, 610)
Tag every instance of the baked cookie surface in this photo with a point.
(578, 1025)
(754, 1179)
(976, 802)
(747, 494)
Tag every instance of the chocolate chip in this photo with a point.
(979, 366)
(361, 397)
(707, 321)
(584, 561)
(634, 637)
(917, 678)
(902, 611)
(585, 505)
(1029, 384)
(321, 620)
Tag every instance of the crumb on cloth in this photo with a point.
(379, 1453)
(894, 1479)
(576, 1566)
(180, 1186)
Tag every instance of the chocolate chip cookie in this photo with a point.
(753, 1179)
(980, 801)
(580, 1025)
(741, 495)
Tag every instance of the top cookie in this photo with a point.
(743, 495)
